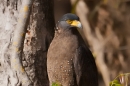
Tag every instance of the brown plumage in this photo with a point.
(69, 61)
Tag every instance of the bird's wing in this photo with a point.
(85, 67)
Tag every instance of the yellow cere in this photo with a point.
(69, 21)
(74, 22)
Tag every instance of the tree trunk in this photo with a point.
(40, 31)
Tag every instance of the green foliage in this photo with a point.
(115, 83)
(56, 84)
(120, 80)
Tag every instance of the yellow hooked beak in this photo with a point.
(74, 23)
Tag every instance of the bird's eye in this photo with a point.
(69, 21)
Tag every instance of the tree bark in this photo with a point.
(40, 31)
(17, 44)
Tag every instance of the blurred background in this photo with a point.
(106, 25)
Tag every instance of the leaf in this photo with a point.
(123, 80)
(115, 83)
(56, 84)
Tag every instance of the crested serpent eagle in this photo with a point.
(69, 61)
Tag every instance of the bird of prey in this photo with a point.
(69, 61)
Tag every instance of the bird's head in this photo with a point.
(69, 21)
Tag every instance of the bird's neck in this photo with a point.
(70, 32)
